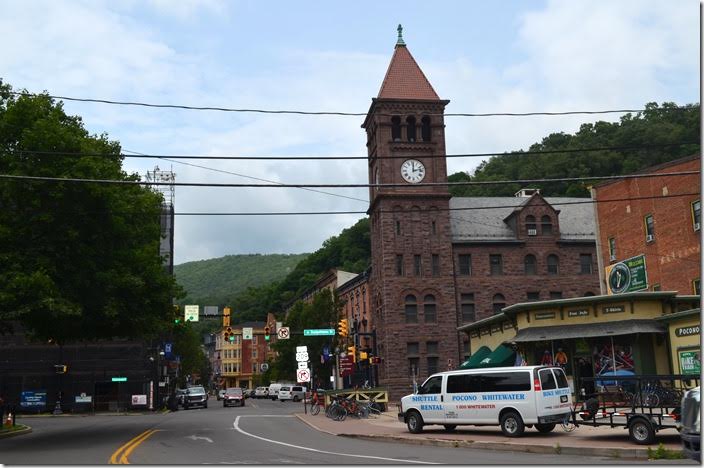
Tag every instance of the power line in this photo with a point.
(344, 114)
(396, 185)
(319, 158)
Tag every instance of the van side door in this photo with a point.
(461, 400)
(429, 400)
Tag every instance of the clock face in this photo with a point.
(412, 171)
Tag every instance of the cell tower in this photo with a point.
(165, 185)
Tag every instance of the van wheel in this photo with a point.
(450, 427)
(512, 424)
(414, 421)
(641, 432)
(545, 428)
(295, 398)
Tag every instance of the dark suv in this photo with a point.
(195, 396)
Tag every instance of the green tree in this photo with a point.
(77, 260)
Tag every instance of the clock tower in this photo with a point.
(412, 287)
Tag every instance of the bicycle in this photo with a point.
(567, 424)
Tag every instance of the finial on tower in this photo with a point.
(400, 42)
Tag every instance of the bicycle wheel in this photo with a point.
(340, 414)
(330, 410)
(652, 400)
(315, 409)
(567, 424)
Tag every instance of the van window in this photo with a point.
(431, 386)
(297, 389)
(506, 382)
(284, 389)
(547, 381)
(561, 379)
(463, 383)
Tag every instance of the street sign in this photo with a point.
(318, 331)
(346, 366)
(264, 367)
(303, 375)
(301, 349)
(247, 333)
(191, 313)
(303, 364)
(302, 357)
(119, 379)
(210, 310)
(283, 333)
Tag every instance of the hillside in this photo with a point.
(209, 282)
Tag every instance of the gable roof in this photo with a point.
(484, 218)
(404, 79)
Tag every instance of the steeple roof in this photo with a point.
(404, 79)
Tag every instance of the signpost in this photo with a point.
(302, 373)
(283, 333)
(191, 313)
(247, 333)
(318, 332)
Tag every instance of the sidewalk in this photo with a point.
(595, 441)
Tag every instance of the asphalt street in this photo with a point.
(263, 432)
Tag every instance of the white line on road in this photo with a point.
(239, 429)
(195, 437)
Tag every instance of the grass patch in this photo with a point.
(661, 453)
(16, 427)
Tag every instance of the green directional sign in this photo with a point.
(119, 379)
(318, 332)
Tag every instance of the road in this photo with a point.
(263, 432)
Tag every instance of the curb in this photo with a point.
(300, 418)
(24, 431)
(638, 453)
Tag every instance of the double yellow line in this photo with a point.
(121, 454)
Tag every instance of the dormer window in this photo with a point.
(531, 229)
(411, 128)
(546, 225)
(396, 128)
(425, 131)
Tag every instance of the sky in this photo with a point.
(508, 56)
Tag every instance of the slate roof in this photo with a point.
(404, 79)
(487, 222)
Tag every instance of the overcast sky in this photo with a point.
(507, 56)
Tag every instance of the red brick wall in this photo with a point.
(673, 258)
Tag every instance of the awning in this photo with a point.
(502, 356)
(588, 330)
(476, 358)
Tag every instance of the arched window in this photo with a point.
(411, 309)
(553, 264)
(425, 131)
(530, 225)
(411, 128)
(396, 128)
(546, 225)
(429, 309)
(530, 264)
(499, 303)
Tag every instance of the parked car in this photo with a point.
(261, 392)
(180, 397)
(233, 397)
(248, 392)
(195, 396)
(293, 392)
(274, 390)
(221, 394)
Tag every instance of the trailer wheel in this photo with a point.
(641, 431)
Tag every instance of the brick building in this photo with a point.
(420, 248)
(666, 231)
(241, 360)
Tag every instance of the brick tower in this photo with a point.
(412, 292)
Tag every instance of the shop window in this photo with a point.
(497, 265)
(533, 296)
(435, 264)
(417, 265)
(612, 249)
(465, 265)
(546, 225)
(396, 128)
(585, 264)
(553, 264)
(411, 309)
(530, 264)
(429, 309)
(399, 265)
(697, 214)
(467, 307)
(649, 228)
(498, 303)
(425, 131)
(411, 128)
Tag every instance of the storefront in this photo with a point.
(629, 334)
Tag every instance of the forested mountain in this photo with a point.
(214, 281)
(663, 127)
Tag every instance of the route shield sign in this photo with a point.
(283, 333)
(302, 357)
(247, 333)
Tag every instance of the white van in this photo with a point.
(511, 397)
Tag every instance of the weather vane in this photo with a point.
(400, 35)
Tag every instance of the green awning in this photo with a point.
(502, 356)
(475, 358)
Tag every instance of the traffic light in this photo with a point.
(228, 335)
(177, 314)
(352, 352)
(343, 328)
(362, 355)
(226, 317)
(267, 329)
